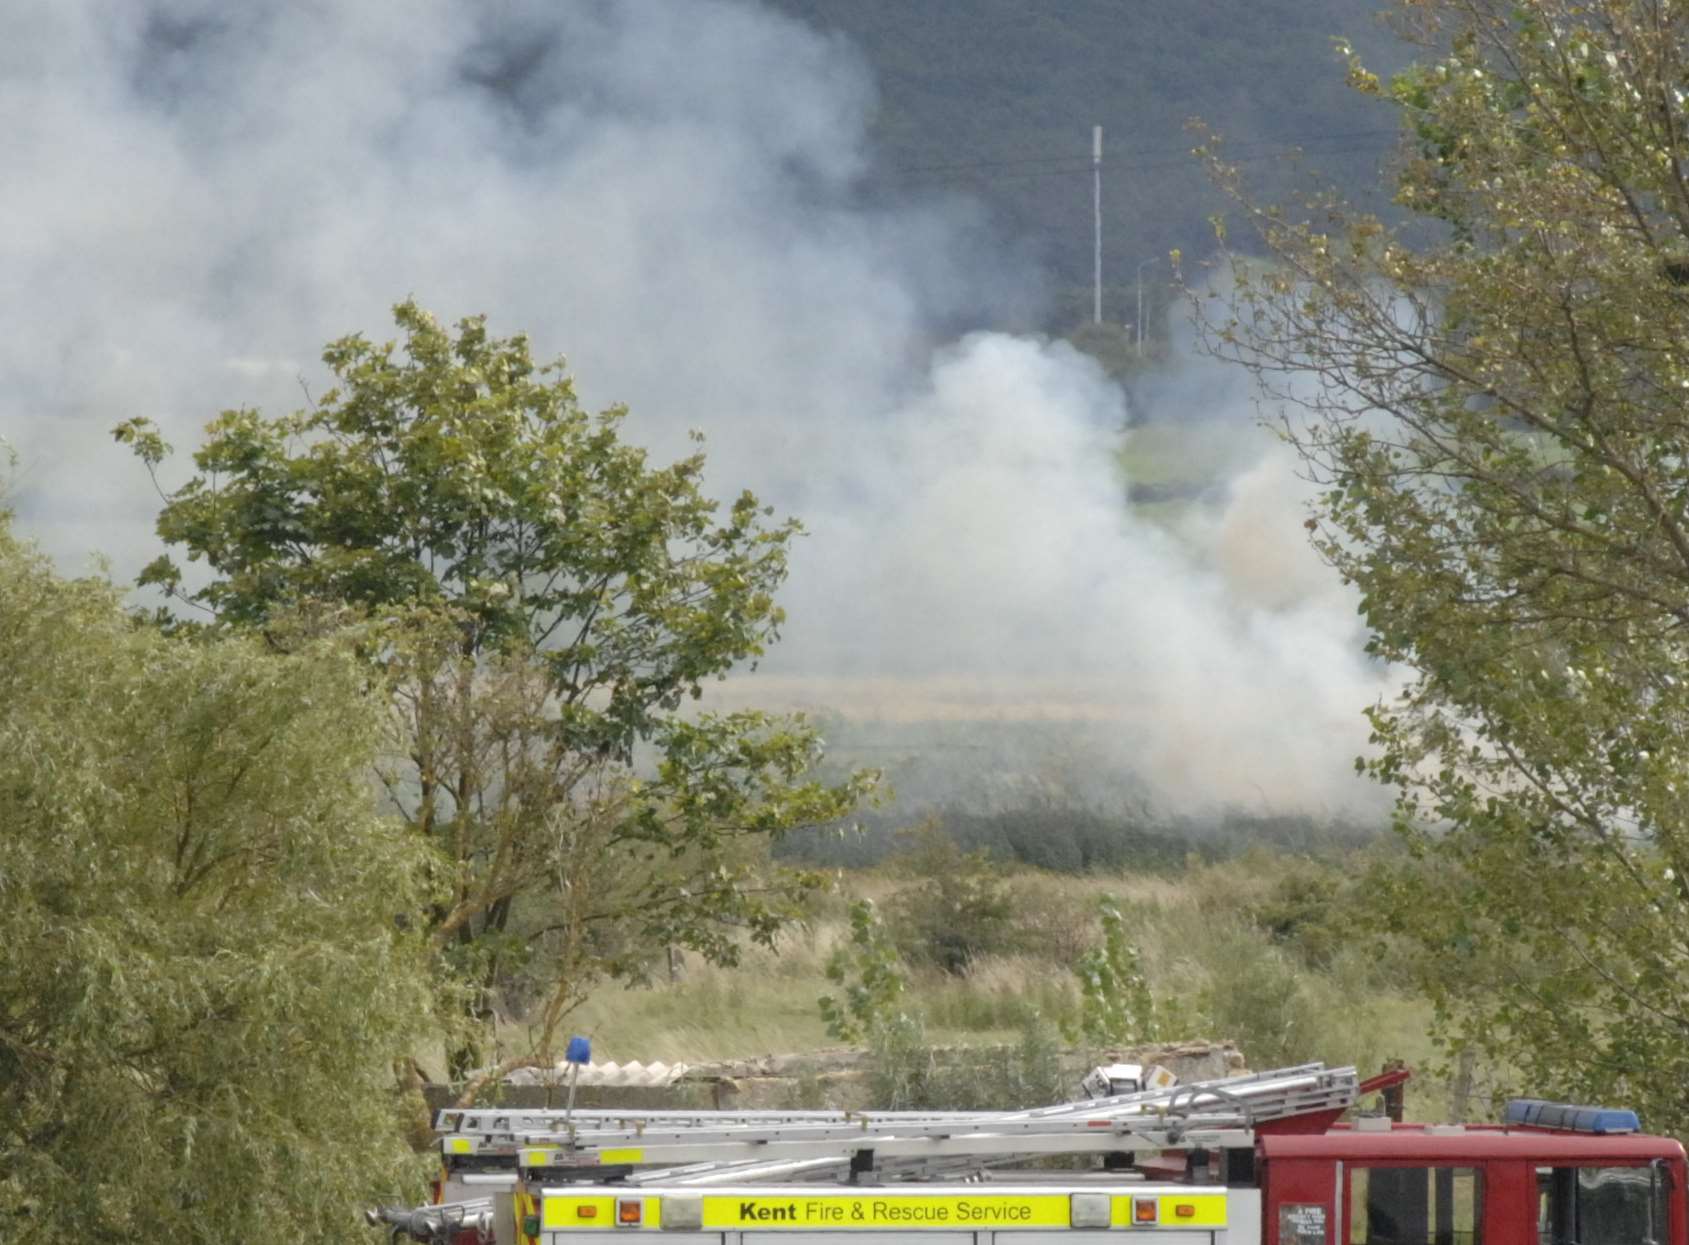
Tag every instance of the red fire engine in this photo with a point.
(1262, 1159)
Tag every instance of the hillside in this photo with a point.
(995, 99)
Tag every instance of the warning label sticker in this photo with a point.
(1301, 1223)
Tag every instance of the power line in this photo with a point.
(1074, 167)
(1040, 166)
(1349, 149)
(984, 164)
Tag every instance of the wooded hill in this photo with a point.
(995, 99)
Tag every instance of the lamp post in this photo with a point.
(1140, 325)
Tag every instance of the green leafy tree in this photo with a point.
(1115, 1004)
(1493, 396)
(543, 604)
(868, 969)
(204, 989)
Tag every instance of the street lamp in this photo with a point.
(1146, 263)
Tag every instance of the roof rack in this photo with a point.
(708, 1147)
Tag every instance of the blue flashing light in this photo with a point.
(1536, 1113)
(578, 1051)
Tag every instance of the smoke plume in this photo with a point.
(200, 193)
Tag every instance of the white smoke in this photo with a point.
(989, 569)
(199, 193)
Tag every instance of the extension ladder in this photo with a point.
(701, 1147)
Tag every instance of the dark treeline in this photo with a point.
(1079, 840)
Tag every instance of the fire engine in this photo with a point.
(1259, 1159)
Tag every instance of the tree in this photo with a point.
(956, 907)
(1492, 395)
(542, 604)
(1115, 1004)
(872, 1002)
(203, 989)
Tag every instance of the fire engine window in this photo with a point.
(1600, 1206)
(1414, 1206)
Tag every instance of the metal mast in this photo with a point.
(1097, 215)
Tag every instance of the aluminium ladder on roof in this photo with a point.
(1237, 1102)
(963, 1168)
(1261, 1095)
(1210, 1113)
(505, 1121)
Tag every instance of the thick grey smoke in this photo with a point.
(199, 193)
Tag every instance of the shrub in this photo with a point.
(901, 1065)
(905, 1073)
(206, 954)
(1115, 1005)
(958, 907)
(1304, 913)
(870, 1000)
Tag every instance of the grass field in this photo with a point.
(1251, 950)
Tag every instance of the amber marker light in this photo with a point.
(584, 1211)
(1143, 1210)
(628, 1211)
(1184, 1210)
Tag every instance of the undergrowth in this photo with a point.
(1268, 950)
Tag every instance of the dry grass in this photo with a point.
(1214, 972)
(765, 1005)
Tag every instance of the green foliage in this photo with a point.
(1214, 971)
(1115, 1004)
(1255, 997)
(459, 472)
(905, 1070)
(906, 1073)
(902, 1065)
(1279, 1011)
(205, 989)
(873, 979)
(957, 908)
(1304, 913)
(1030, 1075)
(540, 603)
(1498, 434)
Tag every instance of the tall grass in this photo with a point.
(1213, 947)
(764, 1005)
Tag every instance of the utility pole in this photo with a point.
(1097, 213)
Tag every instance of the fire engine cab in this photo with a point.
(1262, 1159)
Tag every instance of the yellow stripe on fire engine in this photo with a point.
(459, 1145)
(550, 1157)
(1173, 1210)
(580, 1214)
(888, 1210)
(527, 1209)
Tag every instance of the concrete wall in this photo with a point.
(826, 1078)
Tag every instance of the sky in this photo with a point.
(200, 193)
